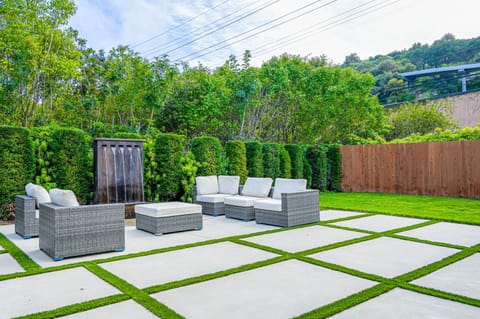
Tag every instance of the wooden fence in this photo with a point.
(436, 168)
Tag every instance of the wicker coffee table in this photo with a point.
(161, 218)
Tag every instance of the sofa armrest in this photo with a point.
(301, 202)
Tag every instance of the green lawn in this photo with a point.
(442, 208)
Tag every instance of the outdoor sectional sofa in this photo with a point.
(210, 192)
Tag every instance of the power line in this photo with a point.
(181, 24)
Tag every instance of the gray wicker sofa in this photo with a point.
(81, 230)
(26, 216)
(211, 191)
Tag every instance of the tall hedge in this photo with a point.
(296, 158)
(72, 161)
(254, 159)
(208, 152)
(237, 158)
(16, 165)
(334, 177)
(271, 160)
(168, 150)
(285, 163)
(307, 171)
(317, 157)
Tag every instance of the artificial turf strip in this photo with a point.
(140, 296)
(432, 207)
(3, 252)
(429, 242)
(79, 307)
(348, 302)
(22, 259)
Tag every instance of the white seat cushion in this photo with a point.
(212, 198)
(287, 185)
(37, 214)
(257, 186)
(241, 201)
(269, 204)
(206, 185)
(167, 209)
(38, 192)
(228, 184)
(63, 197)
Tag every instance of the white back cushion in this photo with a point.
(38, 192)
(228, 184)
(257, 187)
(63, 197)
(207, 185)
(287, 185)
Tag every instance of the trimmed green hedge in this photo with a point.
(237, 158)
(254, 159)
(307, 172)
(125, 135)
(271, 160)
(285, 163)
(334, 177)
(168, 150)
(17, 165)
(296, 157)
(317, 157)
(208, 152)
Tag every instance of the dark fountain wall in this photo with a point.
(118, 171)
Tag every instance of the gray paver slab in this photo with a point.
(186, 263)
(331, 214)
(8, 265)
(401, 304)
(305, 238)
(380, 223)
(462, 278)
(52, 290)
(281, 290)
(451, 233)
(123, 310)
(219, 227)
(387, 257)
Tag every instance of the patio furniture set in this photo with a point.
(66, 229)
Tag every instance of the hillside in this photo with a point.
(446, 51)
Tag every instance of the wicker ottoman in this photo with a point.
(161, 218)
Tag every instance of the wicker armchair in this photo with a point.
(26, 216)
(81, 230)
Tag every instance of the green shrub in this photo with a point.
(271, 160)
(169, 150)
(317, 158)
(72, 161)
(296, 157)
(208, 152)
(285, 163)
(307, 172)
(151, 177)
(127, 135)
(237, 158)
(334, 175)
(189, 172)
(43, 156)
(17, 166)
(254, 159)
(439, 135)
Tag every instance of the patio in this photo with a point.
(350, 265)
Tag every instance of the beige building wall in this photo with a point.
(466, 109)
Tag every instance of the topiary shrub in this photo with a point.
(271, 160)
(316, 156)
(254, 159)
(307, 172)
(151, 177)
(189, 172)
(285, 163)
(207, 151)
(43, 155)
(237, 158)
(17, 166)
(168, 150)
(72, 161)
(296, 157)
(334, 175)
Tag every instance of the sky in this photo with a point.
(209, 31)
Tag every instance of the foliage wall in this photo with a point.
(316, 156)
(168, 150)
(208, 153)
(235, 152)
(254, 159)
(271, 160)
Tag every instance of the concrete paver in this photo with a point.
(380, 223)
(385, 256)
(462, 278)
(305, 238)
(401, 304)
(186, 263)
(52, 290)
(451, 233)
(8, 265)
(281, 290)
(331, 214)
(123, 310)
